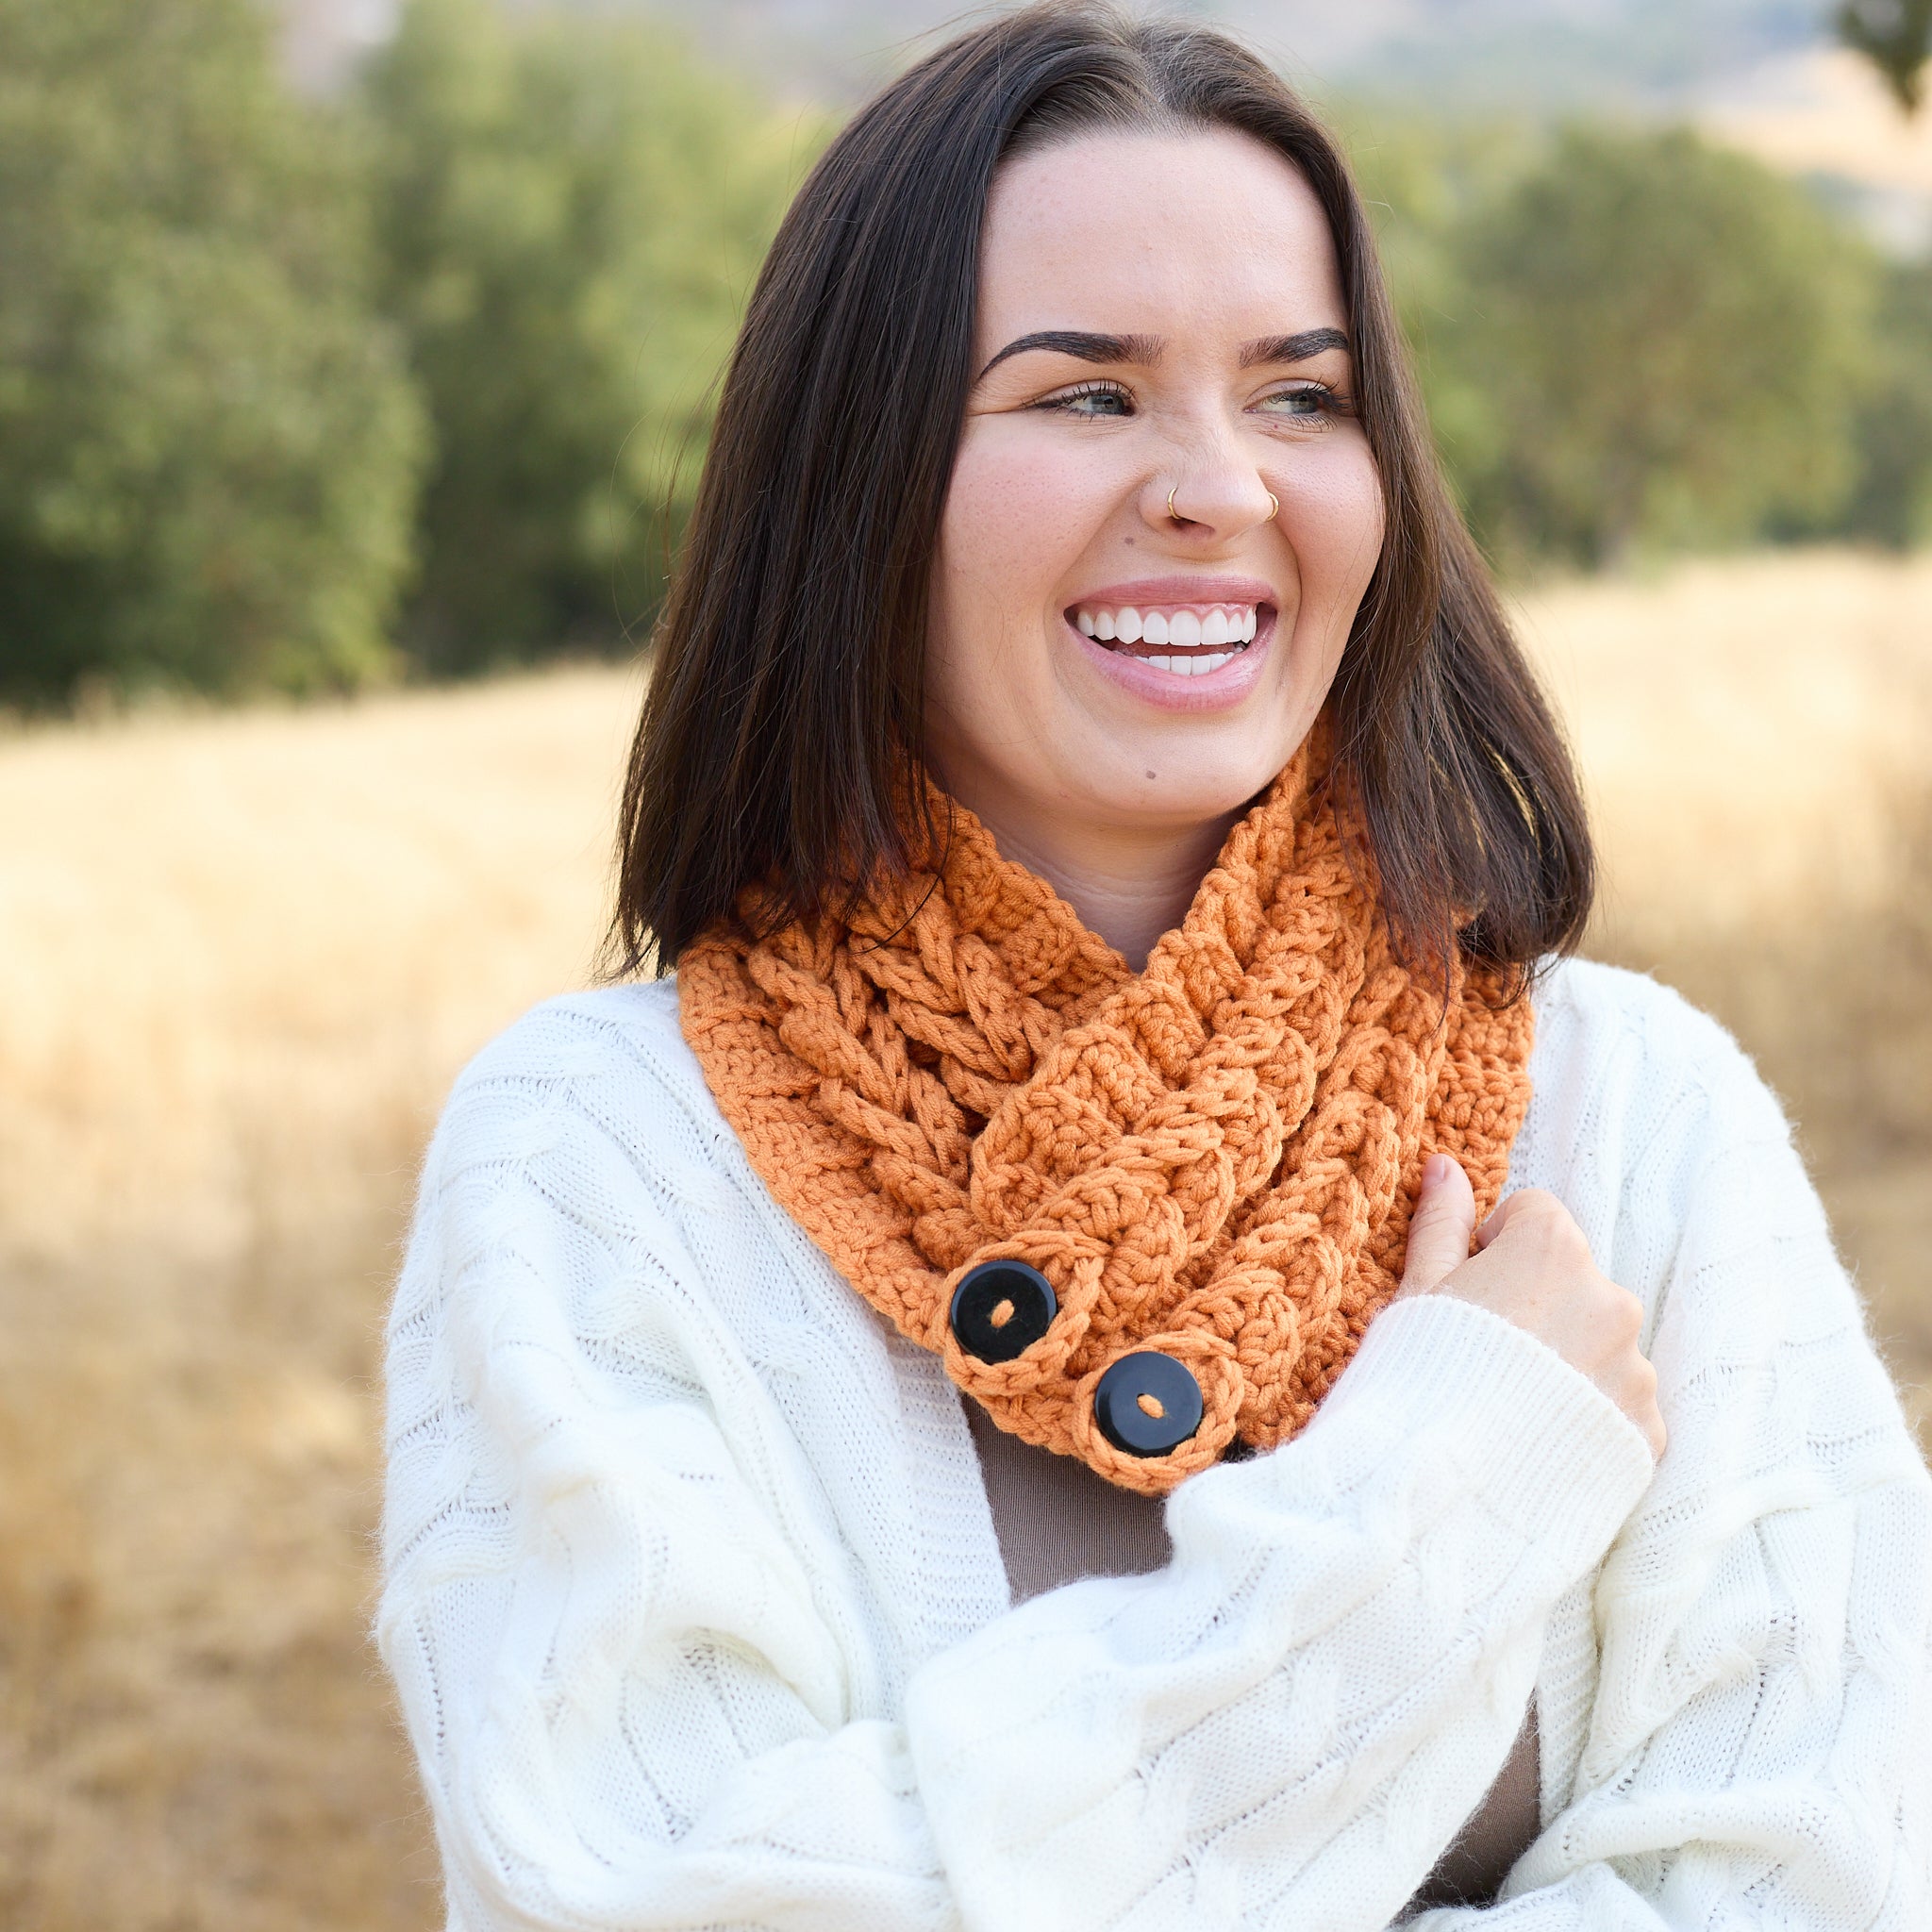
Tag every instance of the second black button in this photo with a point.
(1147, 1403)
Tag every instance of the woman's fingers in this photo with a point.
(1536, 1271)
(1440, 1230)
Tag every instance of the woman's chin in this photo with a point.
(1156, 789)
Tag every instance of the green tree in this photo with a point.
(1423, 181)
(208, 445)
(1897, 37)
(571, 213)
(1891, 499)
(1654, 343)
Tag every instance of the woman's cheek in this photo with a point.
(1333, 515)
(1005, 543)
(1019, 513)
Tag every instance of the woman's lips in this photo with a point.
(1200, 656)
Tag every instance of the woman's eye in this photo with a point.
(1303, 404)
(1095, 400)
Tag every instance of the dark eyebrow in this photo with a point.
(1312, 341)
(1080, 343)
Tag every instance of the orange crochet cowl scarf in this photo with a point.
(1145, 1219)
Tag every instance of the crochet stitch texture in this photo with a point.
(1216, 1159)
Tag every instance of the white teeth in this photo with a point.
(1204, 666)
(1186, 630)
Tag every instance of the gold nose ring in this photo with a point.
(1274, 505)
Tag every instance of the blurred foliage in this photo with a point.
(297, 395)
(1632, 341)
(208, 444)
(571, 213)
(1897, 37)
(1892, 502)
(1654, 342)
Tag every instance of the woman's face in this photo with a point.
(1160, 324)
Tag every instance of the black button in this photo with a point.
(1001, 1307)
(1147, 1404)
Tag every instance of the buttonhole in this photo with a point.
(1150, 1405)
(1002, 1314)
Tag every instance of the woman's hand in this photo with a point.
(1535, 1270)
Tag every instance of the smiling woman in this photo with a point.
(1156, 541)
(973, 1405)
(1097, 278)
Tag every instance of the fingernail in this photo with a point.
(1435, 1170)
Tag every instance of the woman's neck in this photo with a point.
(1129, 885)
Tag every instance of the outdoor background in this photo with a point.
(355, 366)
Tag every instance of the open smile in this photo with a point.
(1185, 644)
(1183, 641)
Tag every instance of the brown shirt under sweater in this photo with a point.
(1057, 1521)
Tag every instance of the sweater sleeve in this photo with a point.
(638, 1702)
(1758, 1755)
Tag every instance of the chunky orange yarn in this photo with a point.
(1216, 1158)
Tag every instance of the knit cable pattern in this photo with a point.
(1216, 1158)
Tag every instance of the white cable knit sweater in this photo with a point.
(699, 1620)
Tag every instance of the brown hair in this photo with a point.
(786, 706)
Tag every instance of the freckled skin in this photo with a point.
(1207, 240)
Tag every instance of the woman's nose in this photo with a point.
(1216, 495)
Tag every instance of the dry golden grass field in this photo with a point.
(243, 956)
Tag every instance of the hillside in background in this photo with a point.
(1543, 56)
(1765, 75)
(1527, 55)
